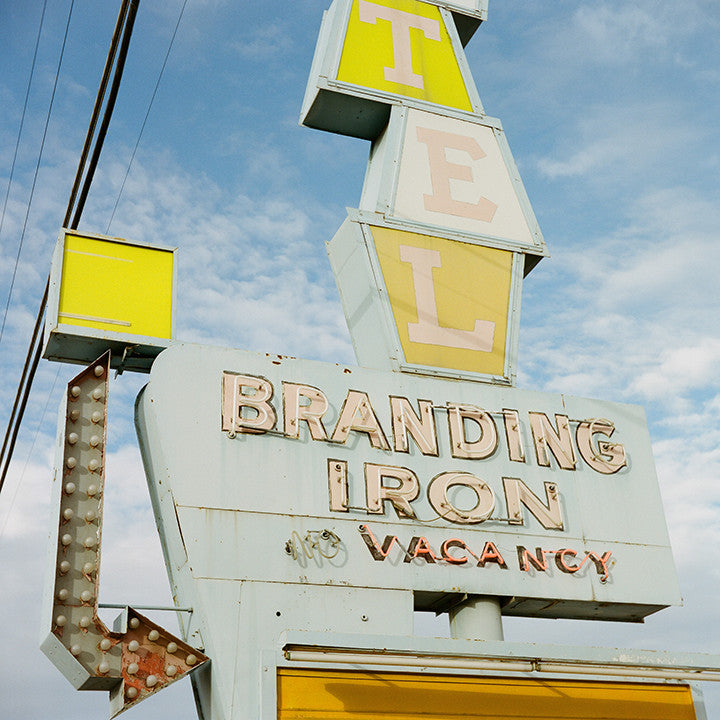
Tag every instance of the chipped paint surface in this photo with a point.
(570, 502)
(152, 659)
(135, 662)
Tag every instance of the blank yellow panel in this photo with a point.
(370, 48)
(340, 695)
(472, 284)
(116, 287)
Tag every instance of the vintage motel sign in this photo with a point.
(371, 54)
(138, 657)
(373, 454)
(441, 306)
(306, 510)
(108, 293)
(317, 497)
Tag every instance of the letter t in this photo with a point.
(401, 22)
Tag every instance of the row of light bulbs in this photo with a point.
(69, 549)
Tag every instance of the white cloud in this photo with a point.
(634, 311)
(683, 368)
(600, 153)
(618, 141)
(615, 33)
(248, 273)
(263, 43)
(609, 35)
(25, 506)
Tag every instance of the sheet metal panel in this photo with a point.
(357, 71)
(238, 497)
(109, 293)
(443, 173)
(430, 648)
(379, 294)
(306, 694)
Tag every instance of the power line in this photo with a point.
(147, 114)
(117, 33)
(22, 117)
(20, 411)
(37, 169)
(21, 399)
(110, 105)
(126, 21)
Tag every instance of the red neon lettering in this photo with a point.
(453, 542)
(378, 552)
(562, 564)
(419, 547)
(526, 558)
(601, 564)
(490, 553)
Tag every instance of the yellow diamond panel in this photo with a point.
(402, 47)
(339, 695)
(450, 300)
(116, 287)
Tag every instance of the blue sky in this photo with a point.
(611, 112)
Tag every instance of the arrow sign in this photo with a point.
(138, 658)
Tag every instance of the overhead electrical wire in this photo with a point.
(109, 107)
(21, 396)
(37, 169)
(123, 28)
(22, 121)
(147, 114)
(20, 413)
(117, 33)
(29, 455)
(124, 25)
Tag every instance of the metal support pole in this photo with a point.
(476, 618)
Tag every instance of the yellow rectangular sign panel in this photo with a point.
(450, 299)
(345, 695)
(402, 47)
(116, 287)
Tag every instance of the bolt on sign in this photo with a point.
(109, 293)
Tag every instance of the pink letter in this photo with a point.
(401, 22)
(427, 329)
(442, 171)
